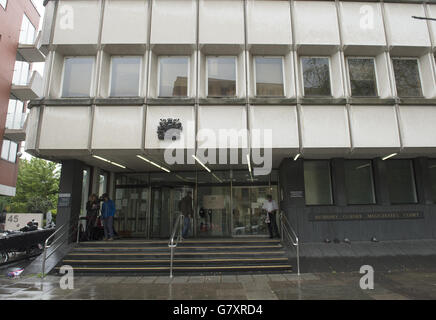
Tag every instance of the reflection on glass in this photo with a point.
(316, 74)
(131, 206)
(173, 75)
(221, 76)
(359, 182)
(269, 76)
(77, 77)
(317, 183)
(407, 77)
(362, 77)
(401, 181)
(125, 76)
(213, 210)
(432, 169)
(248, 218)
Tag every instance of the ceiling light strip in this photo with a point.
(389, 156)
(153, 163)
(108, 161)
(202, 164)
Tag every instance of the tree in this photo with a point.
(37, 186)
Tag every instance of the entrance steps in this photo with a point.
(196, 256)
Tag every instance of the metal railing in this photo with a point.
(291, 236)
(172, 244)
(64, 235)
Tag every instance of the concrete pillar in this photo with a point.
(70, 196)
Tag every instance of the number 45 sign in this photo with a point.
(16, 221)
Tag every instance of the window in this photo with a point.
(432, 169)
(407, 77)
(14, 119)
(359, 182)
(316, 75)
(401, 181)
(269, 76)
(27, 32)
(221, 76)
(173, 76)
(78, 72)
(3, 3)
(362, 77)
(317, 183)
(21, 73)
(9, 151)
(125, 76)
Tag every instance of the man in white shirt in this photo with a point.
(270, 206)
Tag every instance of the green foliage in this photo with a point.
(37, 187)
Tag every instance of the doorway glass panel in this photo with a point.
(131, 206)
(248, 218)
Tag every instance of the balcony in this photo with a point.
(31, 52)
(16, 127)
(29, 91)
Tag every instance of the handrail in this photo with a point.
(47, 246)
(178, 224)
(286, 229)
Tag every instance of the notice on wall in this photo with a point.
(125, 202)
(16, 221)
(297, 194)
(214, 202)
(64, 200)
(118, 204)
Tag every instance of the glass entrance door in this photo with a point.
(248, 218)
(165, 209)
(131, 212)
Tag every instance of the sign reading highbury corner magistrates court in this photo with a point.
(366, 216)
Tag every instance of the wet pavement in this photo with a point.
(395, 285)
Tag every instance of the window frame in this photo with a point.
(373, 184)
(419, 76)
(377, 91)
(188, 88)
(5, 6)
(236, 75)
(415, 187)
(302, 76)
(9, 151)
(332, 193)
(141, 59)
(92, 86)
(432, 184)
(255, 76)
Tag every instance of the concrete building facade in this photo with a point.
(19, 21)
(337, 98)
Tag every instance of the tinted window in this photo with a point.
(407, 77)
(362, 77)
(317, 183)
(359, 182)
(432, 169)
(401, 181)
(316, 75)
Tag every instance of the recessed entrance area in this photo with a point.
(226, 204)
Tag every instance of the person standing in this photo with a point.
(270, 206)
(92, 207)
(108, 213)
(187, 211)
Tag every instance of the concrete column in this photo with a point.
(381, 182)
(95, 184)
(70, 191)
(422, 180)
(338, 176)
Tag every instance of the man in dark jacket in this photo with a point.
(107, 214)
(187, 211)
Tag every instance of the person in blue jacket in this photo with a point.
(107, 214)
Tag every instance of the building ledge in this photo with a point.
(323, 101)
(31, 52)
(272, 101)
(371, 101)
(170, 101)
(223, 101)
(15, 135)
(133, 101)
(416, 101)
(32, 90)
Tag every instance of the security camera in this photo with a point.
(19, 154)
